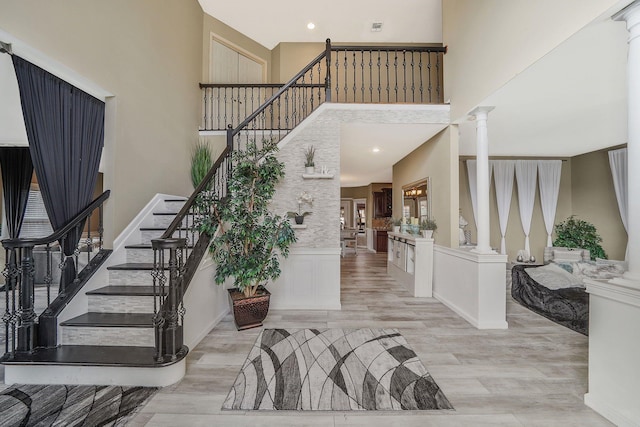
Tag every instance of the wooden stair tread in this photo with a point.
(91, 355)
(145, 246)
(124, 291)
(111, 320)
(132, 266)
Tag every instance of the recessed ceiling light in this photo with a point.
(311, 25)
(376, 150)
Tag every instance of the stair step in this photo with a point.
(111, 329)
(123, 290)
(121, 299)
(111, 320)
(88, 355)
(132, 266)
(141, 253)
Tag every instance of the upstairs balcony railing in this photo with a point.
(345, 74)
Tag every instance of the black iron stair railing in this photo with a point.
(30, 316)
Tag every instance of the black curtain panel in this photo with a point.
(17, 170)
(65, 129)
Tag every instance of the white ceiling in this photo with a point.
(359, 165)
(275, 21)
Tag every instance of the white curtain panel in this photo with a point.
(526, 173)
(473, 189)
(549, 178)
(618, 163)
(503, 179)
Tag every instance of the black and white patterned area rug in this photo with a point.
(334, 370)
(70, 405)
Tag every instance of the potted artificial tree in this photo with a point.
(201, 162)
(250, 238)
(577, 233)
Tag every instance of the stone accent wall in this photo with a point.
(322, 130)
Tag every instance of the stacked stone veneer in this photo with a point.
(322, 130)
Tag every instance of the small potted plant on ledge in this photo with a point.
(303, 198)
(309, 164)
(396, 223)
(250, 238)
(428, 226)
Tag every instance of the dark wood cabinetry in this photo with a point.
(383, 203)
(380, 240)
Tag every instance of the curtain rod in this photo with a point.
(5, 48)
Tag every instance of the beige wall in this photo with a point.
(594, 200)
(437, 159)
(290, 58)
(150, 58)
(212, 25)
(586, 190)
(491, 41)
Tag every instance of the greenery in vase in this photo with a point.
(251, 238)
(428, 224)
(577, 233)
(396, 222)
(309, 155)
(303, 198)
(201, 162)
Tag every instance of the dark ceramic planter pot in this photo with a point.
(249, 312)
(299, 219)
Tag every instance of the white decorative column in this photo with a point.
(614, 306)
(482, 179)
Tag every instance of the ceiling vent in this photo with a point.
(376, 27)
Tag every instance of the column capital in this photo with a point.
(481, 112)
(631, 15)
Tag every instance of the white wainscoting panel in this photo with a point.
(472, 285)
(310, 280)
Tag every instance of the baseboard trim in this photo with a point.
(608, 412)
(474, 322)
(95, 375)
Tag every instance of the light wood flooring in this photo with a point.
(533, 374)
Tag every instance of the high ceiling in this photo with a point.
(570, 102)
(275, 21)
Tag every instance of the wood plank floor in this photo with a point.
(533, 374)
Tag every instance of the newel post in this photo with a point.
(26, 314)
(168, 294)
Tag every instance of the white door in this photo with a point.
(228, 65)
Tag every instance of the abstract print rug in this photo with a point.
(70, 405)
(333, 370)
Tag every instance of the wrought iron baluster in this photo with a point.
(429, 78)
(404, 75)
(379, 78)
(395, 67)
(219, 122)
(413, 78)
(362, 75)
(158, 281)
(388, 81)
(439, 95)
(353, 65)
(337, 75)
(371, 75)
(62, 287)
(204, 108)
(226, 103)
(48, 278)
(346, 78)
(101, 225)
(89, 241)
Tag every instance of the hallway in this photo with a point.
(533, 374)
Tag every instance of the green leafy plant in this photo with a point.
(577, 233)
(428, 224)
(309, 155)
(251, 238)
(201, 162)
(396, 221)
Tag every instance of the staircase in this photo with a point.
(113, 340)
